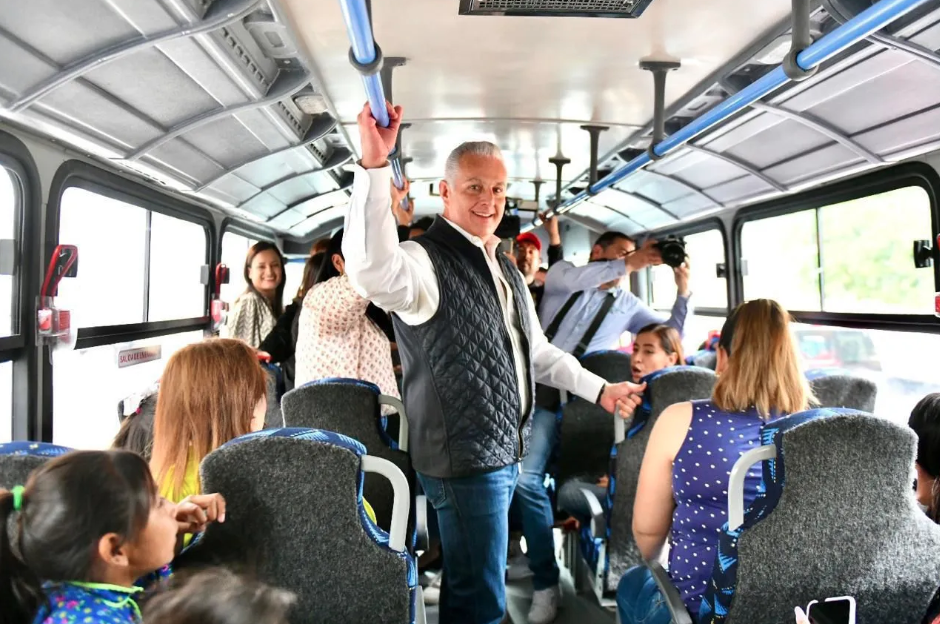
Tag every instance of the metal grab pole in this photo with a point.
(366, 56)
(854, 30)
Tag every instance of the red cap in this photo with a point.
(529, 237)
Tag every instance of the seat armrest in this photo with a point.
(598, 517)
(680, 615)
(399, 407)
(421, 616)
(422, 539)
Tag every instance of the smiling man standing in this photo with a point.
(472, 351)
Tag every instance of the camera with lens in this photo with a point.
(672, 250)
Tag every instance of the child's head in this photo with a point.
(218, 596)
(88, 516)
(136, 433)
(211, 392)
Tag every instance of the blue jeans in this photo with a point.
(538, 518)
(639, 600)
(472, 514)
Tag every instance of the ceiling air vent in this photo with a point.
(555, 8)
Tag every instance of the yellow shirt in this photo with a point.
(191, 487)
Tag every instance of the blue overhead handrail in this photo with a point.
(366, 56)
(854, 30)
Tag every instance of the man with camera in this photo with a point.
(584, 309)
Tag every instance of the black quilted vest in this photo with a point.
(461, 392)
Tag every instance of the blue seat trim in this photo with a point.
(375, 533)
(719, 594)
(344, 381)
(33, 449)
(818, 373)
(642, 414)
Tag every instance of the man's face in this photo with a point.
(475, 200)
(617, 250)
(528, 259)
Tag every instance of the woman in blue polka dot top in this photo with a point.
(682, 494)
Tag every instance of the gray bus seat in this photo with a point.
(295, 519)
(838, 388)
(836, 516)
(19, 459)
(586, 432)
(610, 555)
(352, 407)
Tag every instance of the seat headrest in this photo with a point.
(19, 459)
(818, 373)
(613, 366)
(344, 381)
(838, 388)
(302, 433)
(668, 386)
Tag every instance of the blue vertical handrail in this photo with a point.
(854, 30)
(366, 57)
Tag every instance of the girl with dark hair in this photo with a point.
(255, 312)
(341, 334)
(281, 343)
(218, 596)
(136, 413)
(86, 526)
(925, 421)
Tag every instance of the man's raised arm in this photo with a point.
(378, 268)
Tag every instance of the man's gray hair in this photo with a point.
(475, 148)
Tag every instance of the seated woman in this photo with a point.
(682, 493)
(656, 347)
(925, 421)
(340, 333)
(211, 392)
(255, 312)
(136, 413)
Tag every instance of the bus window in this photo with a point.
(851, 257)
(706, 250)
(89, 383)
(900, 363)
(786, 269)
(234, 250)
(177, 253)
(6, 401)
(8, 202)
(109, 288)
(866, 254)
(293, 275)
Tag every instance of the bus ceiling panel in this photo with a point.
(314, 203)
(705, 169)
(741, 189)
(691, 191)
(911, 87)
(658, 187)
(306, 147)
(687, 206)
(116, 35)
(232, 140)
(905, 137)
(264, 206)
(814, 164)
(287, 220)
(309, 162)
(286, 85)
(287, 189)
(580, 73)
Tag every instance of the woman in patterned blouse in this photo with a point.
(255, 312)
(340, 333)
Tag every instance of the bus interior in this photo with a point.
(163, 138)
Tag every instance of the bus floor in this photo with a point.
(574, 608)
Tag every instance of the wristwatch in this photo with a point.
(600, 395)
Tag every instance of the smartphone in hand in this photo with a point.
(832, 611)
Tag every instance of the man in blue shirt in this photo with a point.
(580, 293)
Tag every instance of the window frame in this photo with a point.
(78, 174)
(20, 348)
(699, 227)
(905, 175)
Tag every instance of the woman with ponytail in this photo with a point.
(86, 526)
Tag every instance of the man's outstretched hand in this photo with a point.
(623, 398)
(378, 142)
